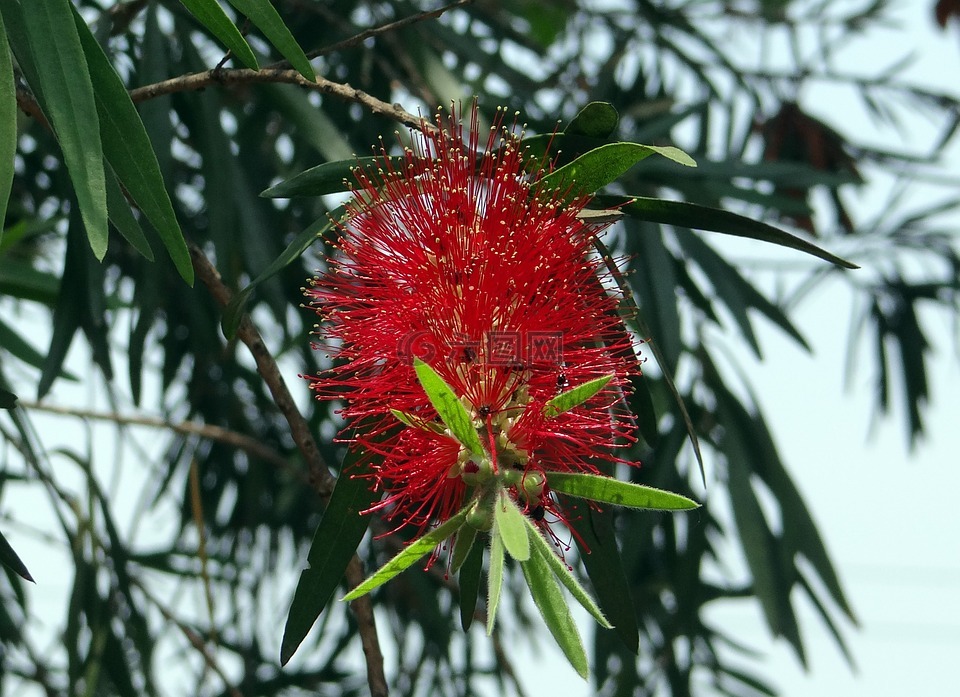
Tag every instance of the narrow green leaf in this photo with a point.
(327, 178)
(8, 123)
(8, 400)
(509, 525)
(691, 215)
(595, 120)
(334, 544)
(10, 559)
(462, 547)
(596, 539)
(233, 312)
(562, 572)
(595, 169)
(449, 407)
(644, 331)
(610, 490)
(69, 103)
(494, 581)
(265, 16)
(565, 401)
(122, 217)
(413, 421)
(129, 151)
(409, 556)
(553, 608)
(470, 583)
(212, 16)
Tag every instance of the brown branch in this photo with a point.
(323, 480)
(245, 76)
(187, 428)
(390, 26)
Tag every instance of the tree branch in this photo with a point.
(187, 428)
(321, 476)
(245, 76)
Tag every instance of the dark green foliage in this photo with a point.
(178, 167)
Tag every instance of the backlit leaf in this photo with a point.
(556, 614)
(410, 555)
(449, 407)
(508, 524)
(566, 401)
(610, 490)
(265, 17)
(212, 16)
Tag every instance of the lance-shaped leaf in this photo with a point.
(66, 95)
(494, 580)
(555, 612)
(595, 169)
(462, 547)
(508, 524)
(8, 123)
(410, 555)
(414, 421)
(212, 16)
(469, 582)
(565, 401)
(683, 214)
(559, 567)
(233, 312)
(8, 400)
(129, 151)
(337, 537)
(8, 557)
(452, 412)
(327, 178)
(644, 330)
(265, 16)
(610, 490)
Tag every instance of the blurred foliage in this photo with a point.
(189, 596)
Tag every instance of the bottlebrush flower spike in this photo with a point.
(456, 258)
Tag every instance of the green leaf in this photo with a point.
(644, 331)
(736, 292)
(562, 572)
(212, 16)
(470, 582)
(328, 178)
(449, 407)
(263, 14)
(10, 559)
(8, 400)
(595, 120)
(409, 556)
(8, 123)
(691, 215)
(565, 401)
(509, 525)
(462, 546)
(596, 539)
(414, 421)
(69, 104)
(494, 580)
(595, 169)
(129, 151)
(122, 217)
(233, 312)
(610, 490)
(553, 608)
(334, 544)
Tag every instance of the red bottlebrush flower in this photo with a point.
(457, 256)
